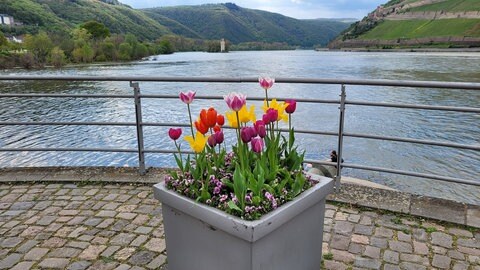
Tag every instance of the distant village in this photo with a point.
(7, 20)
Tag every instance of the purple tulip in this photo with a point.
(292, 106)
(211, 141)
(257, 145)
(246, 135)
(219, 137)
(235, 101)
(265, 119)
(260, 128)
(272, 115)
(174, 133)
(187, 97)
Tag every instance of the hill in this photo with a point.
(237, 24)
(416, 23)
(62, 16)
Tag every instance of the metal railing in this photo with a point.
(342, 102)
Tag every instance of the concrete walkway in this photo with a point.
(95, 226)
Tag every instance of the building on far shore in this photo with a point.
(6, 19)
(222, 45)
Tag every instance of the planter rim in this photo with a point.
(250, 231)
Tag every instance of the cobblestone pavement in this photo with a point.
(67, 226)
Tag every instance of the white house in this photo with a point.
(6, 19)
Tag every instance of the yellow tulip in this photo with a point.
(197, 144)
(232, 118)
(279, 106)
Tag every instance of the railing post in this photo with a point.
(341, 125)
(138, 121)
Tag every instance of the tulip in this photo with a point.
(246, 115)
(272, 115)
(246, 135)
(220, 120)
(266, 83)
(174, 133)
(235, 101)
(200, 126)
(232, 119)
(212, 141)
(260, 128)
(219, 137)
(211, 117)
(187, 97)
(291, 107)
(217, 128)
(265, 119)
(198, 143)
(279, 106)
(257, 145)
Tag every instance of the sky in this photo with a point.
(300, 9)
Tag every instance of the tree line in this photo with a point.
(90, 42)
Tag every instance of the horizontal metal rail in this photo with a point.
(401, 83)
(67, 123)
(69, 149)
(414, 106)
(63, 96)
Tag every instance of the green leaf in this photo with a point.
(233, 206)
(239, 186)
(298, 184)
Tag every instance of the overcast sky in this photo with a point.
(300, 9)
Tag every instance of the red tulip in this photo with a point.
(174, 133)
(187, 97)
(292, 106)
(220, 120)
(217, 128)
(211, 117)
(201, 127)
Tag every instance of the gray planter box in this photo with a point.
(204, 238)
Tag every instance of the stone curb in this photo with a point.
(385, 199)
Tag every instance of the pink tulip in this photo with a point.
(257, 145)
(219, 137)
(260, 128)
(266, 83)
(174, 133)
(235, 101)
(272, 115)
(187, 97)
(292, 106)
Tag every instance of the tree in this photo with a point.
(83, 54)
(96, 29)
(80, 37)
(165, 47)
(57, 57)
(3, 40)
(125, 51)
(40, 46)
(140, 51)
(107, 49)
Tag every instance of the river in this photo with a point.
(421, 124)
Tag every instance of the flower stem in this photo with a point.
(191, 122)
(266, 97)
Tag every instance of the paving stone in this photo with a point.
(9, 261)
(343, 256)
(372, 252)
(415, 259)
(106, 223)
(340, 242)
(142, 239)
(36, 254)
(356, 248)
(22, 205)
(439, 250)
(379, 242)
(123, 267)
(329, 265)
(78, 244)
(23, 266)
(103, 265)
(142, 258)
(76, 220)
(110, 251)
(93, 222)
(391, 256)
(46, 220)
(27, 246)
(420, 248)
(383, 232)
(400, 246)
(391, 267)
(456, 255)
(411, 266)
(366, 220)
(54, 263)
(360, 239)
(124, 254)
(92, 252)
(473, 243)
(420, 235)
(156, 244)
(367, 263)
(106, 213)
(65, 252)
(122, 239)
(442, 239)
(440, 261)
(404, 237)
(11, 242)
(143, 230)
(120, 225)
(54, 242)
(469, 251)
(460, 266)
(363, 229)
(460, 232)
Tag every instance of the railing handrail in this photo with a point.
(342, 102)
(396, 83)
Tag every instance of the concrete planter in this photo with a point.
(202, 237)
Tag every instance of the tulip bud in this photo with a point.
(265, 119)
(174, 133)
(217, 128)
(201, 127)
(245, 135)
(257, 145)
(292, 106)
(260, 128)
(266, 83)
(187, 97)
(219, 137)
(212, 141)
(272, 115)
(211, 117)
(220, 120)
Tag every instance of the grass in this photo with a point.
(328, 256)
(424, 28)
(451, 6)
